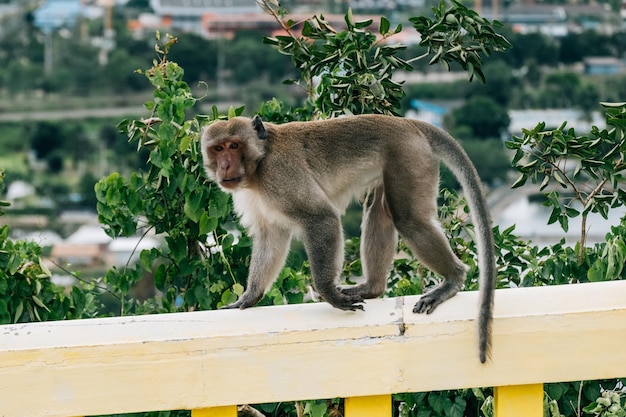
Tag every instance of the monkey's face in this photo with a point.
(226, 158)
(231, 151)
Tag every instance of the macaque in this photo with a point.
(296, 179)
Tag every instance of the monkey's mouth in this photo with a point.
(230, 182)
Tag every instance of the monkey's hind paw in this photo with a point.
(426, 304)
(240, 304)
(231, 306)
(362, 290)
(429, 301)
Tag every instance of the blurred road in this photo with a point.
(74, 114)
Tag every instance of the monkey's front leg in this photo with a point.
(323, 239)
(378, 246)
(270, 246)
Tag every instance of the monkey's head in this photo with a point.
(231, 151)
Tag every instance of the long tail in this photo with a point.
(453, 155)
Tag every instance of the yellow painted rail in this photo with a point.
(210, 361)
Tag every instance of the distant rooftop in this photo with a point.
(8, 9)
(579, 120)
(200, 7)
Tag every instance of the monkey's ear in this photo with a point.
(257, 123)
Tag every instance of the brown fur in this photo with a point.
(298, 178)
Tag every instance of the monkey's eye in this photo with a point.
(234, 145)
(218, 148)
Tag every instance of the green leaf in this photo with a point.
(438, 402)
(238, 289)
(294, 297)
(564, 223)
(146, 258)
(554, 215)
(349, 19)
(227, 241)
(45, 272)
(363, 24)
(559, 179)
(160, 277)
(79, 300)
(609, 104)
(184, 143)
(384, 25)
(193, 206)
(318, 409)
(39, 303)
(207, 223)
(15, 262)
(18, 312)
(228, 297)
(177, 246)
(520, 181)
(571, 212)
(530, 164)
(458, 408)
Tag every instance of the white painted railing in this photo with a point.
(210, 361)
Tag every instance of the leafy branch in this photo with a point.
(589, 167)
(353, 67)
(458, 34)
(350, 70)
(173, 198)
(27, 292)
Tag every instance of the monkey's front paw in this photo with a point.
(247, 299)
(353, 307)
(346, 302)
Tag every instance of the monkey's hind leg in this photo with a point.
(430, 246)
(415, 219)
(378, 245)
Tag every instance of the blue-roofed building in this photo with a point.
(604, 65)
(428, 112)
(57, 13)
